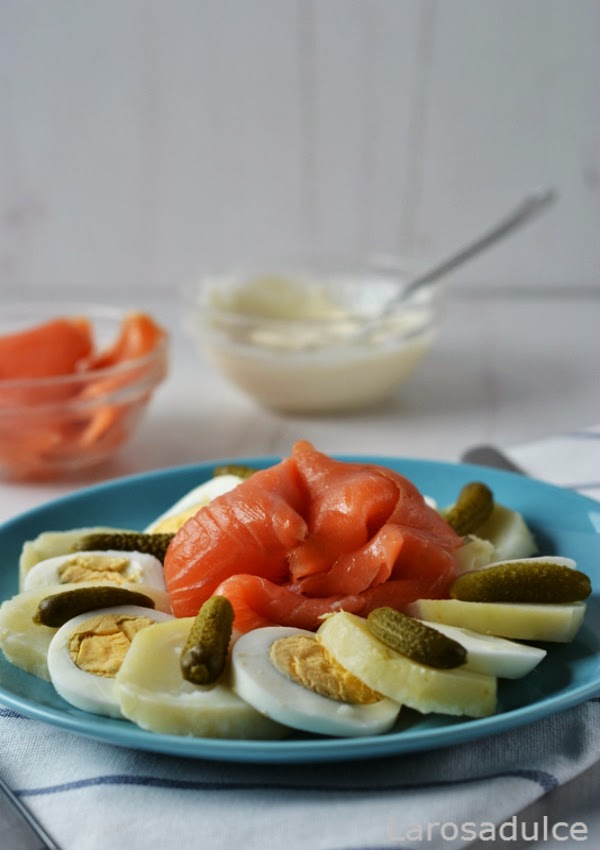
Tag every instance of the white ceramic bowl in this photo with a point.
(301, 337)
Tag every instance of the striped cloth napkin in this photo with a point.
(569, 460)
(90, 795)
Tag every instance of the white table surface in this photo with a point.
(506, 369)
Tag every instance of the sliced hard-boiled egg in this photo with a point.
(25, 643)
(48, 544)
(427, 689)
(558, 622)
(493, 655)
(272, 692)
(153, 693)
(173, 518)
(102, 566)
(85, 654)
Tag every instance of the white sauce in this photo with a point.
(294, 344)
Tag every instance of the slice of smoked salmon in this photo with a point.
(54, 349)
(139, 335)
(258, 602)
(365, 523)
(412, 510)
(47, 350)
(394, 551)
(348, 504)
(249, 529)
(406, 505)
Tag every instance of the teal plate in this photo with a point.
(564, 522)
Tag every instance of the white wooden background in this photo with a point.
(143, 141)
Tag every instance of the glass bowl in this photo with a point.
(54, 419)
(312, 336)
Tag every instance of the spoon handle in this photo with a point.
(46, 842)
(529, 207)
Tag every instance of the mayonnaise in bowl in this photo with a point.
(294, 341)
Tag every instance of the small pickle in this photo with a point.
(522, 581)
(126, 541)
(54, 611)
(205, 653)
(417, 641)
(234, 469)
(473, 507)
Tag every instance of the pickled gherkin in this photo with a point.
(528, 580)
(473, 507)
(414, 639)
(205, 653)
(126, 541)
(56, 610)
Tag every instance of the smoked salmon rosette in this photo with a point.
(309, 536)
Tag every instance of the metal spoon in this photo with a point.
(487, 455)
(527, 209)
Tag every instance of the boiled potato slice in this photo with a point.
(475, 553)
(349, 640)
(520, 621)
(153, 693)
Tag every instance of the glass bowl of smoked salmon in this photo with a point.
(75, 380)
(313, 335)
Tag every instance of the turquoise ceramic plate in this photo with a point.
(565, 523)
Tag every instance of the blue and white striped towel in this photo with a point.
(90, 795)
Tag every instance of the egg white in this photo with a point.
(492, 655)
(96, 694)
(257, 680)
(198, 497)
(143, 570)
(48, 544)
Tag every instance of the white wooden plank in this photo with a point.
(68, 145)
(364, 93)
(515, 105)
(142, 141)
(396, 50)
(230, 181)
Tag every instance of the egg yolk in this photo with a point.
(306, 661)
(100, 644)
(93, 568)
